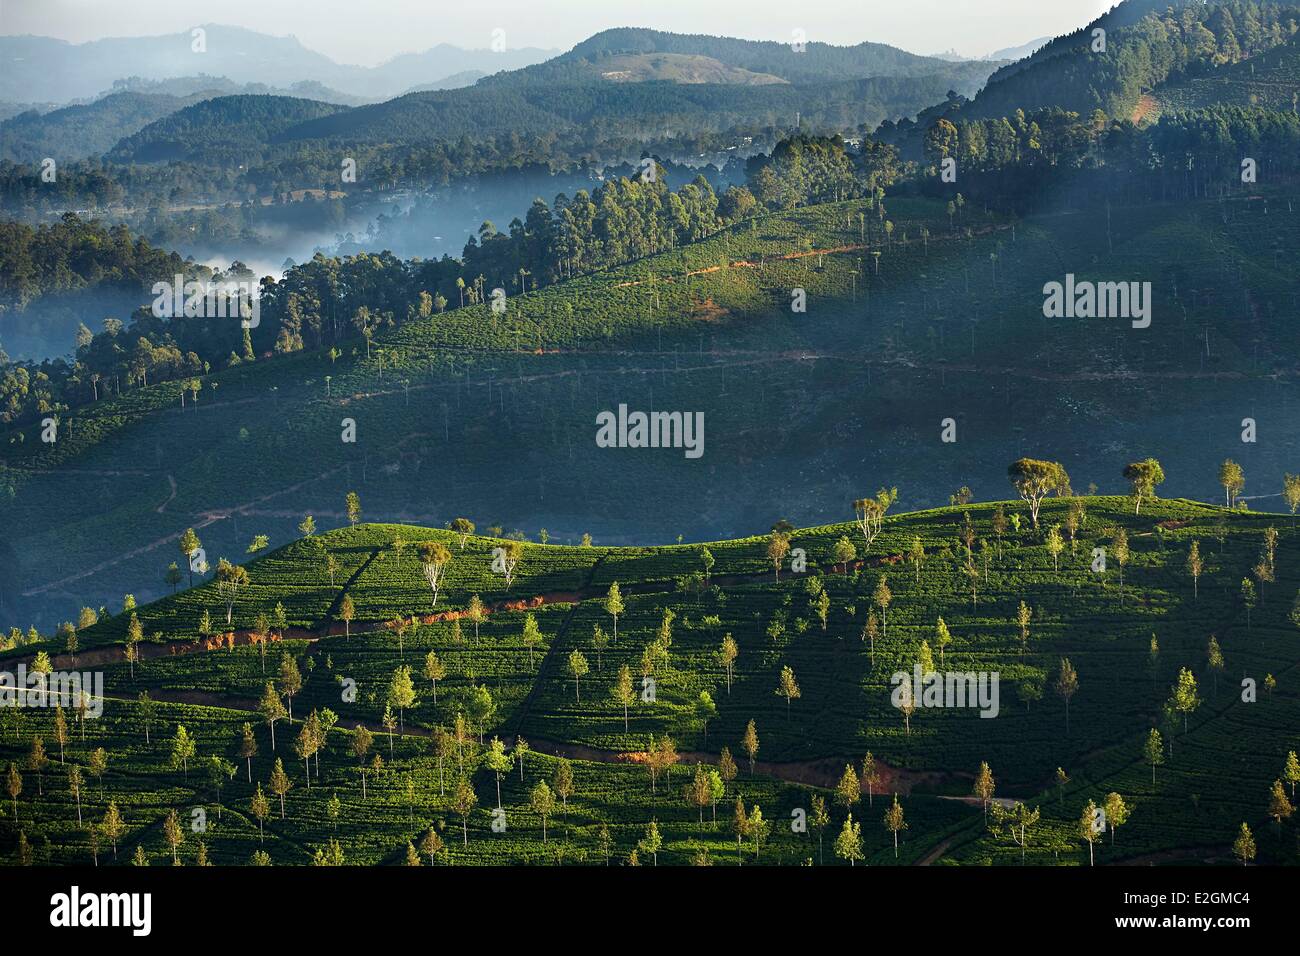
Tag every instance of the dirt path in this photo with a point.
(332, 627)
(932, 855)
(171, 480)
(116, 653)
(206, 518)
(789, 256)
(1005, 802)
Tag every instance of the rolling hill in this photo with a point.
(1126, 633)
(638, 110)
(212, 130)
(1158, 54)
(695, 81)
(74, 132)
(934, 328)
(816, 62)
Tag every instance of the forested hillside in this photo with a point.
(215, 129)
(90, 130)
(814, 62)
(1146, 44)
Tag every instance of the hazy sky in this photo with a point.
(371, 31)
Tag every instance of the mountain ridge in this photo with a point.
(68, 71)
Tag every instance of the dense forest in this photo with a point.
(52, 274)
(1169, 41)
(1055, 157)
(92, 128)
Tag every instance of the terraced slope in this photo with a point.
(1216, 773)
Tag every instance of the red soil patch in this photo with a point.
(1146, 105)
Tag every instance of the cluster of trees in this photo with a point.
(1021, 159)
(815, 169)
(317, 303)
(54, 276)
(73, 255)
(621, 220)
(67, 269)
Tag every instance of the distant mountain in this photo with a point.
(1007, 54)
(94, 127)
(1019, 52)
(223, 86)
(42, 69)
(454, 82)
(442, 67)
(636, 68)
(637, 110)
(951, 56)
(645, 83)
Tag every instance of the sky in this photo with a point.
(368, 32)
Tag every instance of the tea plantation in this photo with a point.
(515, 685)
